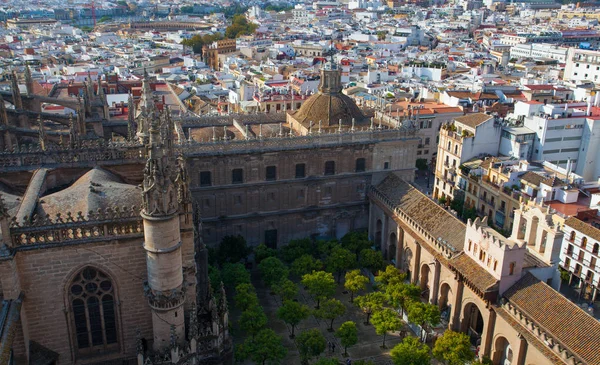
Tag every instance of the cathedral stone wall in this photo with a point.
(320, 203)
(46, 274)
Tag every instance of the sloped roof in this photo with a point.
(532, 178)
(583, 227)
(475, 274)
(563, 320)
(97, 189)
(474, 119)
(427, 214)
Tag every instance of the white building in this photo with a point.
(582, 65)
(539, 50)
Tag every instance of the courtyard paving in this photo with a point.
(367, 348)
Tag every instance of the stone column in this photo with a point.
(436, 282)
(417, 264)
(456, 307)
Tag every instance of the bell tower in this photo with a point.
(165, 288)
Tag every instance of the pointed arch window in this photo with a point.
(94, 312)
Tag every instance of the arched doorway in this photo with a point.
(503, 353)
(406, 259)
(444, 302)
(472, 323)
(378, 233)
(392, 248)
(425, 281)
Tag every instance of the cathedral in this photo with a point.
(104, 222)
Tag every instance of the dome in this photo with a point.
(329, 105)
(329, 109)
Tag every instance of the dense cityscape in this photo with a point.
(335, 182)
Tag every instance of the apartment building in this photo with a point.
(580, 253)
(462, 139)
(582, 65)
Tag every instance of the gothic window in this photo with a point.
(237, 176)
(93, 308)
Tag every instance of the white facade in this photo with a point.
(580, 252)
(539, 50)
(582, 65)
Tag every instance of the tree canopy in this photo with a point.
(370, 303)
(232, 249)
(386, 320)
(453, 348)
(400, 294)
(356, 241)
(296, 249)
(293, 313)
(305, 264)
(411, 352)
(196, 42)
(266, 346)
(348, 335)
(372, 260)
(262, 252)
(355, 282)
(245, 296)
(424, 314)
(320, 285)
(330, 310)
(391, 275)
(239, 26)
(286, 289)
(272, 270)
(310, 343)
(339, 261)
(253, 320)
(234, 274)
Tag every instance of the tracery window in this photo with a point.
(93, 308)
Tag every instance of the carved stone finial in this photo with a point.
(139, 344)
(174, 337)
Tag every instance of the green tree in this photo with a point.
(370, 303)
(214, 276)
(305, 264)
(411, 352)
(339, 261)
(234, 274)
(400, 294)
(372, 260)
(324, 248)
(272, 270)
(320, 285)
(232, 249)
(105, 19)
(330, 310)
(381, 35)
(262, 252)
(348, 335)
(386, 320)
(293, 313)
(421, 164)
(239, 26)
(453, 348)
(187, 9)
(356, 241)
(310, 343)
(390, 276)
(264, 347)
(245, 297)
(296, 249)
(286, 289)
(355, 281)
(425, 315)
(253, 320)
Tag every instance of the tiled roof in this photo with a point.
(532, 178)
(475, 274)
(553, 181)
(563, 320)
(474, 119)
(583, 227)
(531, 339)
(427, 214)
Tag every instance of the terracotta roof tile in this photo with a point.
(532, 178)
(427, 214)
(474, 119)
(563, 320)
(583, 227)
(475, 274)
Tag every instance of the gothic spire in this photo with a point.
(130, 118)
(42, 133)
(28, 80)
(16, 93)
